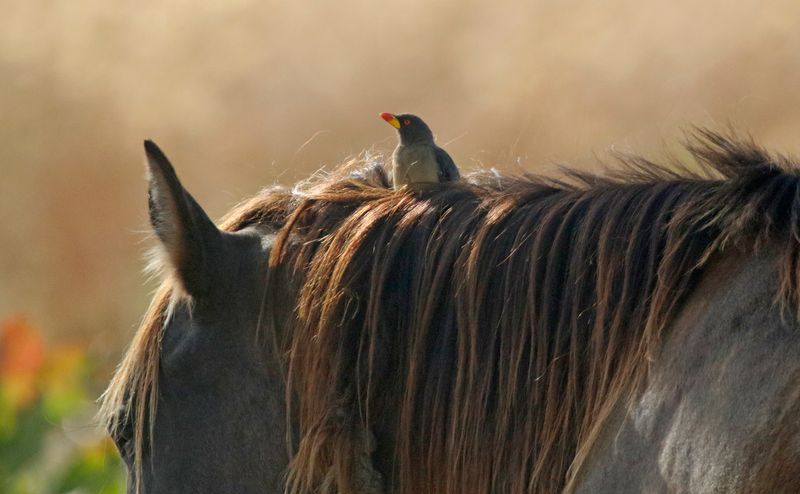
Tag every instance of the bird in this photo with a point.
(417, 158)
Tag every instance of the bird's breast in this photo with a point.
(416, 163)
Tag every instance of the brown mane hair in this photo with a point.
(488, 326)
(132, 394)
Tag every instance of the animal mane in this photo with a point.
(132, 394)
(488, 326)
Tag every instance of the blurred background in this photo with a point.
(243, 94)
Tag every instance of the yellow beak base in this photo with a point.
(391, 120)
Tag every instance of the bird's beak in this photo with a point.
(393, 121)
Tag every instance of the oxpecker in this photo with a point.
(417, 159)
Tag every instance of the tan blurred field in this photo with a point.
(242, 94)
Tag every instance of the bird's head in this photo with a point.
(411, 128)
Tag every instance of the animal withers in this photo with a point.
(633, 332)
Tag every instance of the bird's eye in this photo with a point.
(406, 122)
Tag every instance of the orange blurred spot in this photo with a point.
(21, 348)
(22, 355)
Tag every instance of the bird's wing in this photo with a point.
(448, 171)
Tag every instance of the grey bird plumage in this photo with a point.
(417, 158)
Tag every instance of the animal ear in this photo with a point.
(191, 239)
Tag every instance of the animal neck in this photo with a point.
(417, 138)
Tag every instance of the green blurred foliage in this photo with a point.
(49, 440)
